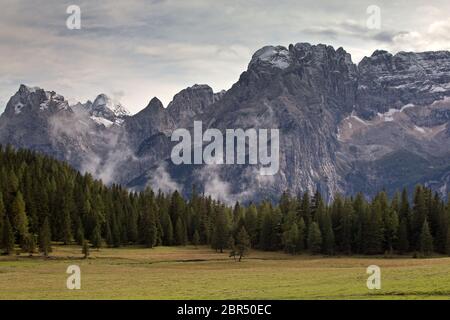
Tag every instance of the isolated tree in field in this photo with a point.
(314, 238)
(196, 239)
(85, 249)
(426, 240)
(242, 243)
(8, 237)
(45, 238)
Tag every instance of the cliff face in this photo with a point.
(343, 128)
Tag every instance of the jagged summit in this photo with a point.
(280, 57)
(32, 100)
(106, 107)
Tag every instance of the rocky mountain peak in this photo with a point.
(191, 101)
(392, 81)
(269, 56)
(35, 100)
(106, 107)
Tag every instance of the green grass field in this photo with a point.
(190, 273)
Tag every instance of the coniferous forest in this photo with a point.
(43, 201)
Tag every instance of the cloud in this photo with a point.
(161, 180)
(157, 48)
(435, 37)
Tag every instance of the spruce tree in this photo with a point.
(220, 231)
(251, 224)
(290, 239)
(8, 237)
(300, 247)
(149, 231)
(403, 243)
(426, 240)
(29, 244)
(196, 239)
(19, 216)
(242, 243)
(45, 238)
(328, 243)
(314, 239)
(79, 236)
(180, 233)
(2, 217)
(419, 216)
(85, 249)
(66, 227)
(96, 238)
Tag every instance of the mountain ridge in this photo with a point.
(341, 124)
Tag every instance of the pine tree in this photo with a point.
(327, 236)
(403, 243)
(242, 243)
(45, 238)
(167, 226)
(232, 246)
(79, 236)
(220, 231)
(66, 227)
(96, 238)
(85, 249)
(268, 236)
(251, 224)
(447, 244)
(419, 216)
(149, 231)
(8, 237)
(347, 227)
(426, 240)
(196, 239)
(314, 238)
(180, 233)
(19, 216)
(29, 244)
(300, 247)
(373, 229)
(291, 239)
(2, 217)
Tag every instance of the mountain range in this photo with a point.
(344, 127)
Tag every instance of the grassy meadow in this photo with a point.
(200, 273)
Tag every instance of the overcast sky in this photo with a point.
(133, 50)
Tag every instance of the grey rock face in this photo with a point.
(343, 128)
